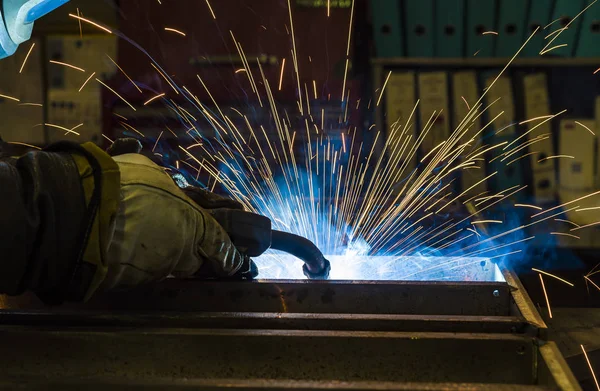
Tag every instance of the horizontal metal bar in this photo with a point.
(411, 298)
(268, 320)
(483, 62)
(102, 384)
(271, 354)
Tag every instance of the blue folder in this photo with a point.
(449, 28)
(538, 16)
(564, 12)
(480, 19)
(388, 31)
(419, 28)
(512, 21)
(589, 36)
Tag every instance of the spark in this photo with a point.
(489, 32)
(552, 275)
(584, 226)
(120, 116)
(556, 157)
(596, 71)
(194, 146)
(24, 144)
(584, 209)
(125, 73)
(348, 51)
(80, 18)
(154, 98)
(536, 118)
(567, 203)
(528, 206)
(546, 296)
(175, 31)
(564, 234)
(116, 93)
(588, 129)
(26, 57)
(476, 53)
(106, 137)
(79, 21)
(591, 369)
(555, 32)
(240, 70)
(567, 221)
(61, 128)
(67, 65)
(552, 48)
(157, 140)
(592, 282)
(315, 88)
(383, 88)
(165, 77)
(86, 81)
(486, 221)
(328, 7)
(211, 10)
(281, 74)
(31, 104)
(466, 103)
(9, 97)
(551, 23)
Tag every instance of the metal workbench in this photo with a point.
(307, 335)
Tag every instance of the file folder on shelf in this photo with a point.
(536, 105)
(400, 99)
(564, 12)
(388, 31)
(464, 96)
(578, 146)
(511, 24)
(480, 22)
(419, 28)
(537, 16)
(589, 36)
(449, 28)
(433, 94)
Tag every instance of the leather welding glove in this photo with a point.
(159, 231)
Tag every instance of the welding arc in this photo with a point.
(316, 267)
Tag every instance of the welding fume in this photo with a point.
(79, 220)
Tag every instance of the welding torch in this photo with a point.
(252, 235)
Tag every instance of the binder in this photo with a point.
(537, 104)
(597, 116)
(388, 31)
(419, 28)
(480, 19)
(511, 24)
(503, 129)
(564, 12)
(400, 99)
(577, 174)
(502, 93)
(464, 88)
(587, 44)
(508, 175)
(449, 28)
(538, 16)
(433, 94)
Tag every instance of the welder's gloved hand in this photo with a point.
(159, 231)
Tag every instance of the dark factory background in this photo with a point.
(437, 51)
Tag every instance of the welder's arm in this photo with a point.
(159, 231)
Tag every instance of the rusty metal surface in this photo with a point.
(272, 354)
(268, 320)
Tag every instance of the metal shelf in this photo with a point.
(486, 62)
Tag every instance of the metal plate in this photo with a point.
(350, 297)
(257, 354)
(268, 320)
